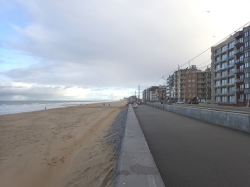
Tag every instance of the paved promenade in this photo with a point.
(189, 152)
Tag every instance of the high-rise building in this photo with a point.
(230, 58)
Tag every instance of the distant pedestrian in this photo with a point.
(45, 108)
(109, 104)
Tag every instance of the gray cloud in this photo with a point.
(97, 44)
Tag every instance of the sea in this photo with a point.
(12, 107)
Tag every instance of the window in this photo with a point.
(217, 83)
(231, 99)
(223, 90)
(217, 59)
(247, 85)
(224, 57)
(224, 99)
(231, 81)
(247, 96)
(193, 80)
(217, 67)
(231, 62)
(247, 54)
(231, 53)
(224, 48)
(189, 80)
(217, 99)
(217, 51)
(223, 82)
(224, 65)
(247, 64)
(247, 33)
(231, 45)
(223, 73)
(247, 44)
(231, 89)
(247, 75)
(241, 96)
(231, 71)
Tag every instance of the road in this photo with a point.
(191, 153)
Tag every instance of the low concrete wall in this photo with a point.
(136, 166)
(228, 119)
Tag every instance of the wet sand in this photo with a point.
(58, 147)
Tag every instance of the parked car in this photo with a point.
(180, 102)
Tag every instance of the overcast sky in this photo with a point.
(96, 49)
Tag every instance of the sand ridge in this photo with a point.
(58, 147)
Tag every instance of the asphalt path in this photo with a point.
(189, 152)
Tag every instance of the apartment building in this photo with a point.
(170, 88)
(229, 69)
(188, 84)
(150, 94)
(198, 84)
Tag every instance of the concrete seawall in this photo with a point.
(227, 119)
(136, 166)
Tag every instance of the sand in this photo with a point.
(58, 147)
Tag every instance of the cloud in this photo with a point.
(96, 44)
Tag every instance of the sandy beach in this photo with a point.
(59, 147)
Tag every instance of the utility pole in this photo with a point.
(139, 92)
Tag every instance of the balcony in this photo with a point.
(239, 71)
(231, 92)
(216, 54)
(239, 61)
(217, 77)
(239, 89)
(238, 42)
(230, 66)
(218, 69)
(217, 93)
(224, 51)
(246, 70)
(230, 83)
(239, 51)
(239, 80)
(224, 75)
(247, 59)
(240, 100)
(216, 62)
(217, 85)
(247, 80)
(246, 90)
(246, 48)
(238, 34)
(229, 57)
(200, 81)
(223, 59)
(230, 74)
(201, 91)
(224, 67)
